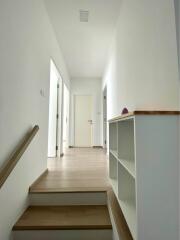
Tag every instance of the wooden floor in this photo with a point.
(81, 169)
(64, 217)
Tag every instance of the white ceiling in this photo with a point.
(84, 45)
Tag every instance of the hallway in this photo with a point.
(78, 77)
(81, 169)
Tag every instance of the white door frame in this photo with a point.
(74, 102)
(104, 120)
(59, 109)
(68, 114)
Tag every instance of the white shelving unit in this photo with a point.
(113, 138)
(143, 171)
(126, 145)
(113, 173)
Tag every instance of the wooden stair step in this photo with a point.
(64, 217)
(71, 181)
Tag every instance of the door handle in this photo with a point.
(90, 121)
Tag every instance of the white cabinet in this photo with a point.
(143, 171)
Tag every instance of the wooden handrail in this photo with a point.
(11, 162)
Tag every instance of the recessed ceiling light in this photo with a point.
(84, 15)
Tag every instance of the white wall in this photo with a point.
(142, 69)
(177, 12)
(27, 43)
(177, 15)
(92, 87)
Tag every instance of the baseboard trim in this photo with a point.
(86, 147)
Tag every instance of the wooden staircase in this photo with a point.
(71, 214)
(77, 215)
(72, 201)
(66, 215)
(64, 222)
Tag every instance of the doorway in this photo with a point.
(83, 120)
(66, 98)
(105, 117)
(55, 109)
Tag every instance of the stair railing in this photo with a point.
(11, 162)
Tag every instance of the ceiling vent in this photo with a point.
(84, 15)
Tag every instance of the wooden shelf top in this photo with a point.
(64, 217)
(144, 112)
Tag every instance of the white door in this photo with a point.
(66, 118)
(83, 121)
(54, 111)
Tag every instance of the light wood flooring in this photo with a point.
(81, 169)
